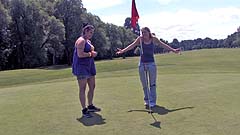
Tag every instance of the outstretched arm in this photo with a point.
(129, 47)
(158, 42)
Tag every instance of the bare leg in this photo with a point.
(82, 88)
(91, 85)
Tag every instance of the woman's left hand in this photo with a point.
(178, 50)
(93, 53)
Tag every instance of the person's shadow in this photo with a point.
(161, 111)
(95, 120)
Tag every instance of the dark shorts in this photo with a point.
(82, 77)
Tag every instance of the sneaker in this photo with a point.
(86, 113)
(92, 108)
(147, 105)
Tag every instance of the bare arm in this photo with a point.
(80, 44)
(93, 53)
(129, 47)
(158, 42)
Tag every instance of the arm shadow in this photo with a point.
(162, 110)
(159, 109)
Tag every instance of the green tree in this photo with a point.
(5, 48)
(99, 39)
(54, 35)
(17, 12)
(126, 37)
(32, 29)
(70, 12)
(5, 3)
(114, 36)
(235, 40)
(127, 25)
(48, 6)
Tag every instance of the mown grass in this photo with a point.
(198, 94)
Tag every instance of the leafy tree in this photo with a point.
(17, 12)
(32, 29)
(127, 37)
(114, 37)
(70, 12)
(5, 3)
(127, 25)
(5, 48)
(53, 38)
(175, 43)
(55, 33)
(232, 41)
(99, 39)
(48, 6)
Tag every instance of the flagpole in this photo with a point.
(134, 20)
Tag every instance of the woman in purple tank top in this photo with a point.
(83, 68)
(147, 66)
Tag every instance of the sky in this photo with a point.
(169, 19)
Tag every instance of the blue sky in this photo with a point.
(181, 19)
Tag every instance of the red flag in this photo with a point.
(135, 15)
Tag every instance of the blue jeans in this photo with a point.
(148, 75)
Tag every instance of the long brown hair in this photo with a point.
(148, 30)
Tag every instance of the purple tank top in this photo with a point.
(148, 53)
(83, 66)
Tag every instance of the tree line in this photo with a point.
(36, 33)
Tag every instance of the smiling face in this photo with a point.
(146, 33)
(88, 31)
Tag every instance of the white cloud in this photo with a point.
(117, 19)
(186, 24)
(166, 2)
(100, 4)
(183, 24)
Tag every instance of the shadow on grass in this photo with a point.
(162, 110)
(159, 110)
(95, 120)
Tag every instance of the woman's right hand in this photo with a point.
(119, 51)
(178, 50)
